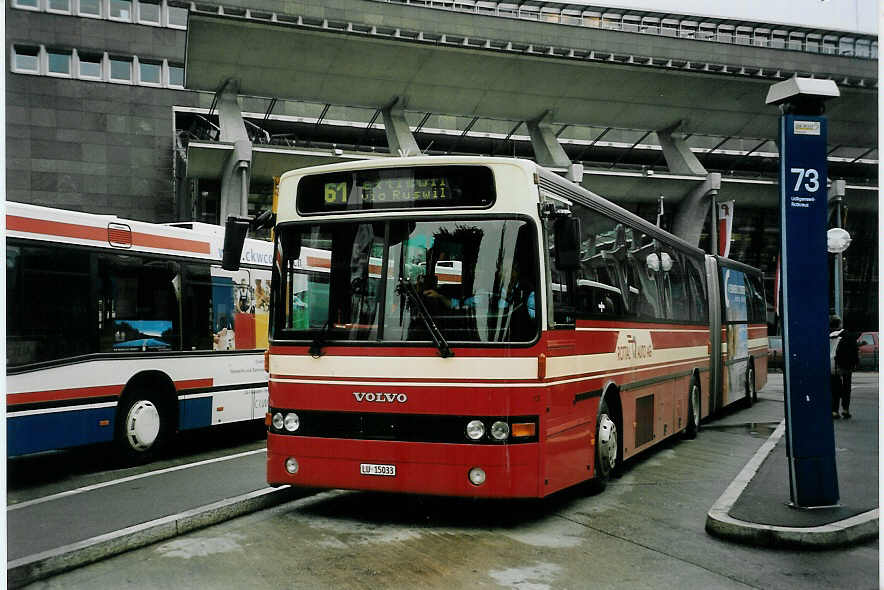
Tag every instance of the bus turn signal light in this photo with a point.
(524, 429)
(267, 361)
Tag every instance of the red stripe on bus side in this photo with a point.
(55, 228)
(629, 374)
(194, 383)
(757, 331)
(100, 234)
(54, 395)
(621, 325)
(589, 343)
(57, 395)
(167, 243)
(564, 343)
(678, 339)
(407, 352)
(318, 262)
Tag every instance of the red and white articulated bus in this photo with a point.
(119, 330)
(481, 327)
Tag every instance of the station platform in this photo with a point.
(756, 509)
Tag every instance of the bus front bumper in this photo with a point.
(507, 471)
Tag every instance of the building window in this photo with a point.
(59, 6)
(59, 62)
(121, 9)
(120, 69)
(176, 76)
(149, 12)
(90, 7)
(26, 59)
(96, 66)
(90, 66)
(177, 16)
(150, 73)
(29, 4)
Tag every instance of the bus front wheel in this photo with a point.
(606, 447)
(141, 427)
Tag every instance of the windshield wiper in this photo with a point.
(319, 342)
(407, 289)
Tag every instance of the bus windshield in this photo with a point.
(400, 280)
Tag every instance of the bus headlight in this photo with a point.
(475, 429)
(291, 465)
(477, 476)
(292, 422)
(500, 430)
(278, 421)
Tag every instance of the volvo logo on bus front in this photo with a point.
(387, 398)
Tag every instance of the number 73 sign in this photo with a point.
(805, 282)
(807, 183)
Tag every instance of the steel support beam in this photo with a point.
(399, 137)
(237, 169)
(679, 157)
(694, 210)
(547, 149)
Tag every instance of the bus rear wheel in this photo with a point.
(751, 390)
(142, 427)
(693, 426)
(606, 448)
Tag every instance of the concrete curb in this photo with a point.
(31, 568)
(719, 523)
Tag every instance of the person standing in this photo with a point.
(844, 359)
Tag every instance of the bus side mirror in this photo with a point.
(567, 241)
(235, 231)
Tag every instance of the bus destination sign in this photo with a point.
(393, 190)
(397, 188)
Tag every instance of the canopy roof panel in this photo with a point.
(206, 160)
(354, 69)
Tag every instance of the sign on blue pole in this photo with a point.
(810, 437)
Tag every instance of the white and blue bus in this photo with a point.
(124, 331)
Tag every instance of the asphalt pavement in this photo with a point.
(68, 528)
(757, 509)
(54, 533)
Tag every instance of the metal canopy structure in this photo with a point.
(206, 159)
(721, 29)
(348, 68)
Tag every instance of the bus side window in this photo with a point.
(646, 270)
(697, 287)
(48, 304)
(733, 294)
(602, 278)
(560, 282)
(197, 308)
(755, 299)
(138, 303)
(676, 282)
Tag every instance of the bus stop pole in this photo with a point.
(810, 436)
(836, 200)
